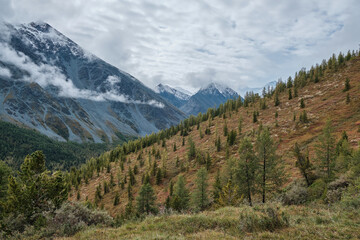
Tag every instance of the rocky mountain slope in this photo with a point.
(174, 96)
(49, 83)
(210, 96)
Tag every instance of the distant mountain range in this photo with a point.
(209, 96)
(49, 83)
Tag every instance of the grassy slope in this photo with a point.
(323, 100)
(304, 222)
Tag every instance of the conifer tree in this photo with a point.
(192, 150)
(229, 195)
(231, 137)
(304, 164)
(180, 200)
(217, 187)
(174, 148)
(302, 103)
(200, 195)
(218, 144)
(158, 177)
(272, 170)
(225, 129)
(276, 99)
(146, 200)
(254, 117)
(247, 170)
(290, 94)
(117, 199)
(326, 151)
(240, 125)
(347, 85)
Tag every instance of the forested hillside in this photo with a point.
(17, 142)
(282, 165)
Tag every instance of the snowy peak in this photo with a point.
(182, 95)
(213, 88)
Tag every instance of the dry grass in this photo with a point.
(303, 222)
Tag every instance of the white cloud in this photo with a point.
(46, 75)
(242, 42)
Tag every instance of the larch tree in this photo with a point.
(247, 169)
(272, 169)
(200, 195)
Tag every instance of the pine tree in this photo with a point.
(231, 137)
(225, 129)
(218, 144)
(208, 161)
(171, 188)
(254, 117)
(34, 189)
(192, 150)
(158, 177)
(117, 199)
(217, 187)
(272, 170)
(326, 152)
(200, 195)
(295, 92)
(276, 99)
(240, 125)
(290, 94)
(180, 200)
(174, 148)
(247, 170)
(146, 200)
(304, 164)
(302, 103)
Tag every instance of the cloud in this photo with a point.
(237, 42)
(48, 75)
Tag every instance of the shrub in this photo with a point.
(336, 189)
(295, 194)
(268, 219)
(317, 190)
(73, 217)
(351, 197)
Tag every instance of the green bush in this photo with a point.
(317, 190)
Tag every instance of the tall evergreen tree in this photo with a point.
(145, 201)
(181, 196)
(272, 170)
(217, 187)
(200, 195)
(247, 170)
(326, 151)
(347, 85)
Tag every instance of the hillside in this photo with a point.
(17, 142)
(324, 98)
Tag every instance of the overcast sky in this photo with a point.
(189, 43)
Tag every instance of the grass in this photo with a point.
(270, 221)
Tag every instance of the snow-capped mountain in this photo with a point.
(49, 83)
(175, 96)
(259, 90)
(212, 95)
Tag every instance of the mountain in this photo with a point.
(49, 83)
(212, 95)
(177, 97)
(243, 90)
